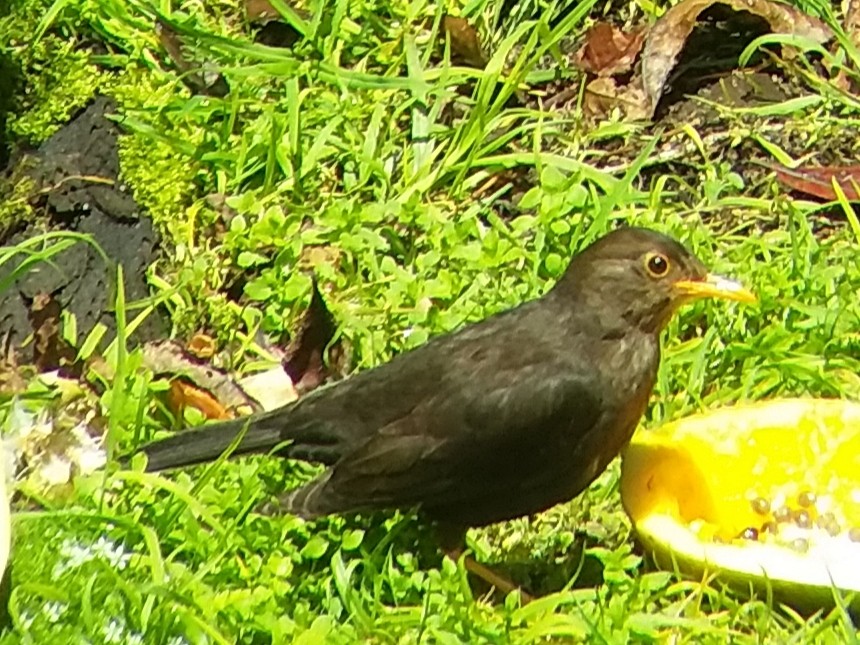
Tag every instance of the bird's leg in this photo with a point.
(453, 543)
(485, 573)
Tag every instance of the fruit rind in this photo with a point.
(690, 487)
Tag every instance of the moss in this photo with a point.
(16, 194)
(55, 87)
(56, 75)
(161, 177)
(156, 147)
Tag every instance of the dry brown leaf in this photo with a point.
(602, 95)
(260, 11)
(304, 360)
(852, 21)
(201, 346)
(168, 358)
(50, 350)
(669, 34)
(183, 394)
(609, 50)
(273, 30)
(852, 29)
(818, 181)
(12, 381)
(196, 79)
(212, 391)
(465, 42)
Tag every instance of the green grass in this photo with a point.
(422, 197)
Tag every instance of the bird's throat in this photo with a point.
(650, 317)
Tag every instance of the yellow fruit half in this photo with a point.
(767, 494)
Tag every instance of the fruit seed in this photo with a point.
(801, 545)
(749, 533)
(829, 523)
(761, 506)
(806, 499)
(802, 518)
(769, 527)
(782, 514)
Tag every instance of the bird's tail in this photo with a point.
(237, 437)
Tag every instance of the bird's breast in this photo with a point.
(627, 369)
(631, 358)
(625, 372)
(631, 369)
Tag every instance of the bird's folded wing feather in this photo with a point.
(505, 437)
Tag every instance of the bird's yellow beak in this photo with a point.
(713, 286)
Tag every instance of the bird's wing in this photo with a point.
(476, 443)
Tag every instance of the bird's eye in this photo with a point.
(657, 264)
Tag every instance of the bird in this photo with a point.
(503, 418)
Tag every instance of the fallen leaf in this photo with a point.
(183, 394)
(465, 42)
(12, 380)
(602, 95)
(609, 50)
(304, 359)
(199, 79)
(818, 181)
(852, 21)
(260, 11)
(168, 359)
(271, 389)
(201, 346)
(50, 350)
(667, 37)
(217, 394)
(852, 29)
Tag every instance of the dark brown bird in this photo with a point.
(503, 418)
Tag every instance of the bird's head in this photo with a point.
(641, 277)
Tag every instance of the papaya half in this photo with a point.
(763, 496)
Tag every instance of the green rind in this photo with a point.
(804, 581)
